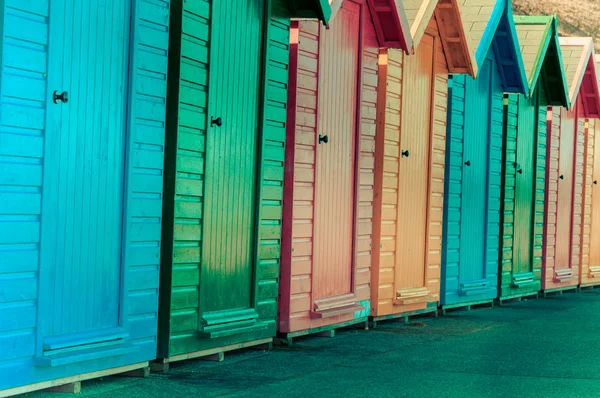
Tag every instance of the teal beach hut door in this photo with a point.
(475, 172)
(82, 137)
(84, 173)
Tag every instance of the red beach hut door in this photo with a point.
(594, 127)
(335, 162)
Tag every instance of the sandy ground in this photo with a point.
(576, 17)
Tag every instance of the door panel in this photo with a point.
(88, 58)
(413, 177)
(475, 176)
(231, 155)
(595, 221)
(524, 202)
(565, 190)
(334, 180)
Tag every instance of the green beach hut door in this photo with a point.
(524, 187)
(230, 185)
(81, 254)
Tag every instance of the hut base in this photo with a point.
(216, 354)
(72, 384)
(432, 309)
(589, 286)
(517, 297)
(324, 331)
(560, 290)
(466, 306)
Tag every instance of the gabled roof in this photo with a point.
(418, 13)
(581, 73)
(454, 40)
(391, 23)
(490, 25)
(538, 38)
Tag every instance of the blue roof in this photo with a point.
(500, 36)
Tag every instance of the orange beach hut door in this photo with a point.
(335, 162)
(413, 172)
(562, 264)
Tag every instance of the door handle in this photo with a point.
(468, 163)
(60, 97)
(562, 177)
(323, 139)
(595, 182)
(520, 171)
(216, 121)
(405, 154)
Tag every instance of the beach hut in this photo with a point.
(590, 232)
(409, 163)
(590, 262)
(562, 252)
(471, 225)
(524, 161)
(223, 191)
(329, 166)
(81, 161)
(590, 274)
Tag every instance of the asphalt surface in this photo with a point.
(547, 347)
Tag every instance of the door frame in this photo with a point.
(351, 297)
(45, 276)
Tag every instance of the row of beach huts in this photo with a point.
(181, 179)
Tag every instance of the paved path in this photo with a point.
(537, 348)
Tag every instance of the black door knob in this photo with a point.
(405, 154)
(562, 177)
(218, 122)
(60, 97)
(323, 139)
(520, 171)
(468, 163)
(595, 182)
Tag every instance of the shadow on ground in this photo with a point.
(537, 348)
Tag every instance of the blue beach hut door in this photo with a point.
(83, 189)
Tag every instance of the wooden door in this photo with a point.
(566, 182)
(524, 184)
(413, 175)
(335, 155)
(227, 255)
(475, 172)
(88, 58)
(594, 134)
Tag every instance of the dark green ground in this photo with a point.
(537, 348)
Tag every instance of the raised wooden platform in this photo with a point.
(72, 384)
(403, 316)
(466, 306)
(515, 298)
(589, 286)
(216, 354)
(560, 290)
(324, 331)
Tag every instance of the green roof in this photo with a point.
(538, 38)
